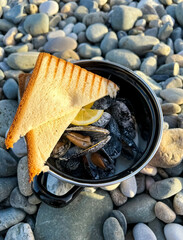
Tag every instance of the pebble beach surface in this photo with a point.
(146, 36)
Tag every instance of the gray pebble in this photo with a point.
(15, 60)
(139, 209)
(177, 33)
(79, 27)
(180, 121)
(121, 219)
(36, 24)
(39, 41)
(142, 232)
(20, 231)
(173, 82)
(5, 25)
(138, 44)
(10, 217)
(19, 48)
(96, 32)
(165, 31)
(20, 148)
(15, 14)
(9, 37)
(109, 42)
(175, 171)
(60, 44)
(86, 50)
(172, 120)
(178, 13)
(7, 112)
(80, 12)
(124, 17)
(10, 89)
(178, 45)
(140, 179)
(1, 53)
(8, 164)
(54, 21)
(112, 229)
(157, 227)
(178, 203)
(124, 57)
(152, 32)
(129, 187)
(6, 186)
(23, 177)
(173, 231)
(166, 188)
(34, 200)
(170, 108)
(17, 200)
(171, 69)
(149, 66)
(82, 37)
(174, 95)
(161, 49)
(97, 17)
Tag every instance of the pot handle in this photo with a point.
(38, 187)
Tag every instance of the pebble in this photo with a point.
(157, 227)
(34, 200)
(172, 120)
(153, 84)
(8, 164)
(14, 60)
(139, 209)
(7, 112)
(173, 231)
(174, 95)
(23, 177)
(6, 186)
(121, 219)
(166, 188)
(39, 41)
(142, 232)
(54, 21)
(175, 58)
(129, 187)
(138, 44)
(69, 8)
(1, 75)
(178, 45)
(5, 25)
(10, 89)
(175, 171)
(60, 44)
(112, 229)
(15, 14)
(20, 231)
(31, 8)
(13, 49)
(96, 32)
(149, 66)
(10, 217)
(178, 203)
(17, 200)
(164, 213)
(171, 69)
(111, 187)
(9, 36)
(80, 12)
(165, 31)
(161, 49)
(117, 197)
(124, 17)
(178, 13)
(109, 42)
(86, 50)
(68, 28)
(149, 170)
(55, 34)
(124, 57)
(50, 8)
(27, 38)
(1, 53)
(170, 108)
(173, 82)
(81, 207)
(167, 18)
(36, 24)
(140, 179)
(79, 27)
(67, 54)
(97, 17)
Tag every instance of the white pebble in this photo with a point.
(68, 28)
(9, 36)
(173, 231)
(129, 187)
(142, 232)
(1, 53)
(26, 38)
(169, 19)
(69, 8)
(178, 203)
(50, 8)
(55, 34)
(149, 170)
(140, 22)
(111, 187)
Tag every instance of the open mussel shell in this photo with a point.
(99, 137)
(60, 149)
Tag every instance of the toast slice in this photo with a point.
(56, 87)
(42, 140)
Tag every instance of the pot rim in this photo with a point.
(159, 134)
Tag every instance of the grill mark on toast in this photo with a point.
(99, 86)
(86, 76)
(64, 68)
(92, 84)
(48, 64)
(56, 67)
(79, 74)
(71, 73)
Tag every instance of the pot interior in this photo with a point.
(147, 114)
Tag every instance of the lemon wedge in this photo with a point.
(87, 116)
(89, 105)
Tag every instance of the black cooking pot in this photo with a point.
(149, 120)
